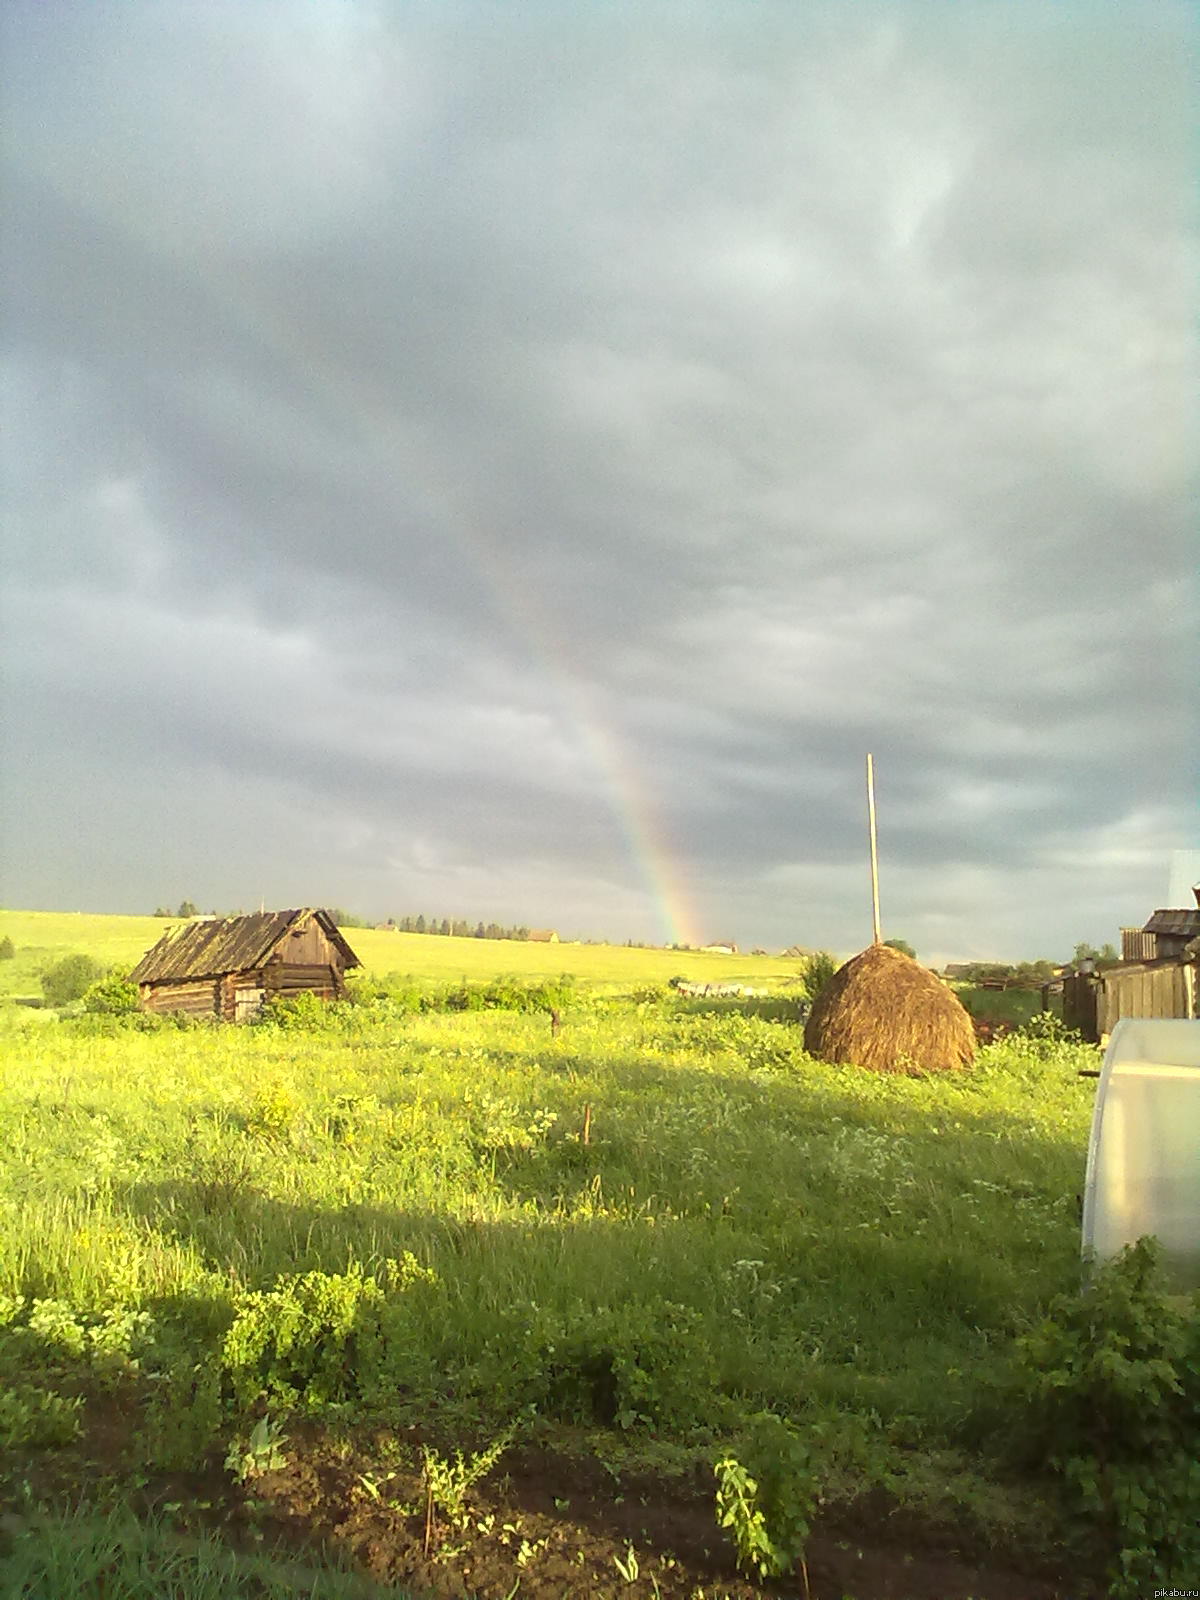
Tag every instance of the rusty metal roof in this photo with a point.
(1184, 923)
(210, 947)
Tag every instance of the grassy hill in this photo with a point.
(42, 937)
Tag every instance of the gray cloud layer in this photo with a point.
(458, 455)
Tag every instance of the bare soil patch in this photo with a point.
(542, 1526)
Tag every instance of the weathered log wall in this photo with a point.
(196, 997)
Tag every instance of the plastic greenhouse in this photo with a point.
(1143, 1169)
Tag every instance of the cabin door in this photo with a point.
(247, 1002)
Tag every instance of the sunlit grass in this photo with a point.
(863, 1239)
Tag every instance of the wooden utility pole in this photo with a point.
(874, 850)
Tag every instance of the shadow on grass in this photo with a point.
(808, 1249)
(91, 1552)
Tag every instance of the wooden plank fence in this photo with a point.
(1095, 1003)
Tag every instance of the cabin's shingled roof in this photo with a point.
(210, 947)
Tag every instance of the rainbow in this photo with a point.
(635, 810)
(634, 807)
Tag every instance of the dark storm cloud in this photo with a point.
(506, 432)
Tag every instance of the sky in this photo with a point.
(514, 462)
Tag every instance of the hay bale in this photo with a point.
(885, 1011)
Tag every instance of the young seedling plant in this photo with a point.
(262, 1452)
(447, 1482)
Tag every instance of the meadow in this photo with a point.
(42, 937)
(472, 1307)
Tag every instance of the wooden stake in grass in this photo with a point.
(874, 851)
(587, 1124)
(428, 1544)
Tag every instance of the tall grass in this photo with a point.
(831, 1236)
(77, 1555)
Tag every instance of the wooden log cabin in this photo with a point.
(226, 967)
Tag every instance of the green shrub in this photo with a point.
(184, 1417)
(272, 1112)
(7, 949)
(631, 1366)
(319, 1339)
(818, 969)
(52, 1336)
(113, 995)
(300, 1344)
(57, 1327)
(511, 994)
(261, 1452)
(1046, 1035)
(402, 995)
(32, 1417)
(767, 1494)
(1111, 1389)
(300, 1012)
(69, 979)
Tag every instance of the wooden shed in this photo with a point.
(1172, 931)
(227, 967)
(1095, 1002)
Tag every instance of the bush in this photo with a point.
(818, 969)
(767, 1495)
(511, 994)
(304, 1012)
(1047, 1036)
(633, 1366)
(302, 1344)
(113, 995)
(7, 949)
(69, 979)
(1110, 1385)
(322, 1339)
(402, 995)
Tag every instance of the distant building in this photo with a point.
(1166, 934)
(227, 967)
(543, 936)
(719, 949)
(1156, 976)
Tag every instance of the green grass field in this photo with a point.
(625, 1240)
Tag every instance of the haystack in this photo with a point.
(885, 1011)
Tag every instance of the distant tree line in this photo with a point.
(1021, 974)
(458, 928)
